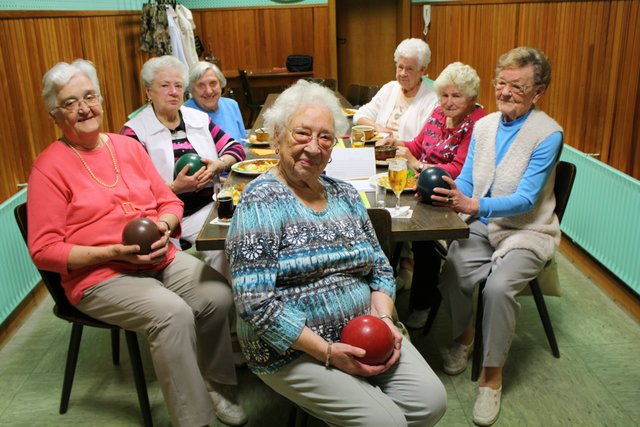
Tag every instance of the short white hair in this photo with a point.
(300, 95)
(461, 76)
(413, 48)
(154, 65)
(60, 74)
(198, 69)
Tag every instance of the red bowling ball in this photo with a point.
(142, 232)
(371, 334)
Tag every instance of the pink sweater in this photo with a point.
(443, 147)
(67, 207)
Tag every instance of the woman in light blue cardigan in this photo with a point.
(206, 83)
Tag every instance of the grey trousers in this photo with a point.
(408, 394)
(184, 311)
(469, 262)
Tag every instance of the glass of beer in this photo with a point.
(398, 177)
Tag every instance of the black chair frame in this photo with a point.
(252, 104)
(66, 311)
(565, 176)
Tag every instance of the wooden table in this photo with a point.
(427, 222)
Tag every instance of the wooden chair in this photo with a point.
(381, 221)
(328, 83)
(65, 311)
(565, 175)
(253, 105)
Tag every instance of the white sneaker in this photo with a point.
(225, 406)
(487, 406)
(455, 360)
(417, 319)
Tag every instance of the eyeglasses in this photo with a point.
(326, 140)
(516, 88)
(72, 105)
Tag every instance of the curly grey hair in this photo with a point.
(461, 76)
(60, 74)
(521, 57)
(298, 96)
(413, 48)
(198, 69)
(153, 65)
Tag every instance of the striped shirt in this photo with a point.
(196, 200)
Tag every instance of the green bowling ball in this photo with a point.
(191, 159)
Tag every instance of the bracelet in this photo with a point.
(167, 224)
(385, 316)
(327, 361)
(171, 187)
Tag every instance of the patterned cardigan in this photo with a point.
(294, 267)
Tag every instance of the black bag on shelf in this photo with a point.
(299, 63)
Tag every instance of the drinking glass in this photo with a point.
(398, 177)
(357, 138)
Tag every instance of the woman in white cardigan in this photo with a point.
(402, 106)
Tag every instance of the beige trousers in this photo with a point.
(184, 311)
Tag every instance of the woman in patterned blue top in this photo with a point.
(305, 261)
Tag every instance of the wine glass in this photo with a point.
(398, 177)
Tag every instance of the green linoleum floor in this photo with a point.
(596, 381)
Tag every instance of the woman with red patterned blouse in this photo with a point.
(443, 142)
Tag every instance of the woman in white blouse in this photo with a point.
(403, 105)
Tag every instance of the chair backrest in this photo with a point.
(228, 93)
(50, 279)
(565, 175)
(381, 221)
(246, 87)
(356, 93)
(371, 92)
(328, 83)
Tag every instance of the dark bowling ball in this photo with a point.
(371, 334)
(142, 232)
(428, 180)
(191, 159)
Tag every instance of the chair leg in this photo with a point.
(298, 417)
(544, 317)
(435, 306)
(115, 346)
(476, 366)
(138, 376)
(70, 368)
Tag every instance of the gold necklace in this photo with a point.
(86, 166)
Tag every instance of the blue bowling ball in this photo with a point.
(428, 180)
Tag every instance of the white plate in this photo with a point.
(373, 182)
(256, 143)
(240, 167)
(349, 112)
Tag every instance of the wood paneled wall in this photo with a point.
(593, 47)
(32, 42)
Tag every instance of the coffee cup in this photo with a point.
(262, 135)
(368, 131)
